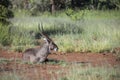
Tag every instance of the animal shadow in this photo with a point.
(53, 61)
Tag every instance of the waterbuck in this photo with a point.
(38, 55)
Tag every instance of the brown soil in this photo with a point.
(46, 71)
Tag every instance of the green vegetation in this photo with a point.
(74, 25)
(76, 29)
(5, 12)
(75, 72)
(5, 38)
(21, 39)
(91, 73)
(82, 31)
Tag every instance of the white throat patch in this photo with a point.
(55, 49)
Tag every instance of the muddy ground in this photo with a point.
(57, 64)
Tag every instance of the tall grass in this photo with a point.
(21, 39)
(93, 31)
(5, 38)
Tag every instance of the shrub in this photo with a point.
(5, 38)
(5, 12)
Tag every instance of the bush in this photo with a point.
(5, 38)
(5, 12)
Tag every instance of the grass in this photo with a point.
(10, 77)
(73, 72)
(7, 61)
(4, 35)
(80, 31)
(92, 73)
